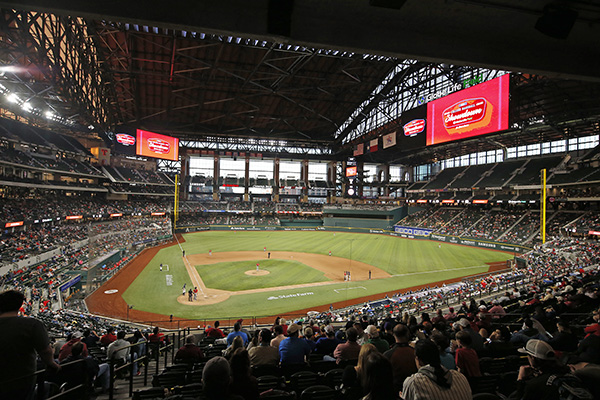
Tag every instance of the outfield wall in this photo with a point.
(399, 231)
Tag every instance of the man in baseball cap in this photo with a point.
(533, 378)
(293, 350)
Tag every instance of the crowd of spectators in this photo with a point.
(522, 232)
(418, 218)
(48, 206)
(548, 310)
(440, 218)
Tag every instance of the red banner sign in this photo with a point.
(414, 127)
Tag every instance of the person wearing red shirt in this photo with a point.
(466, 358)
(109, 337)
(190, 353)
(157, 336)
(65, 350)
(214, 332)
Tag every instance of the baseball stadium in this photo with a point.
(176, 176)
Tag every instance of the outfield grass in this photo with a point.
(410, 262)
(231, 275)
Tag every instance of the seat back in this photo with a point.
(302, 380)
(319, 392)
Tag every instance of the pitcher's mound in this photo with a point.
(254, 272)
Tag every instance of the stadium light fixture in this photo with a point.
(49, 114)
(13, 98)
(27, 107)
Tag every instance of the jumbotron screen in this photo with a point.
(150, 144)
(475, 111)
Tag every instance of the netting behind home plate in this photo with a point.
(113, 243)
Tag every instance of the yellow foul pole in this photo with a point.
(543, 207)
(176, 205)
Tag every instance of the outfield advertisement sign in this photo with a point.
(410, 232)
(479, 243)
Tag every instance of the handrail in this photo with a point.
(129, 365)
(145, 357)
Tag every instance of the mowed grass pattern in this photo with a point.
(392, 254)
(232, 276)
(410, 262)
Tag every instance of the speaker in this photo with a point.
(279, 17)
(393, 4)
(556, 21)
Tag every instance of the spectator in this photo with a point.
(86, 373)
(347, 351)
(189, 352)
(242, 381)
(532, 379)
(443, 343)
(432, 381)
(326, 345)
(293, 350)
(450, 315)
(564, 339)
(157, 336)
(308, 336)
(476, 339)
(108, 337)
(216, 378)
(497, 310)
(376, 380)
(120, 351)
(388, 335)
(524, 335)
(90, 338)
(214, 332)
(352, 377)
(375, 340)
(401, 356)
(466, 358)
(264, 353)
(237, 332)
(20, 339)
(255, 340)
(279, 336)
(238, 343)
(65, 351)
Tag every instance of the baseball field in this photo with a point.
(242, 273)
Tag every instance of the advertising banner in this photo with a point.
(150, 144)
(475, 111)
(407, 231)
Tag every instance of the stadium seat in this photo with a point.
(333, 378)
(261, 370)
(151, 393)
(267, 382)
(303, 379)
(319, 392)
(484, 383)
(169, 379)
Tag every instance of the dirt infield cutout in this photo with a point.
(333, 268)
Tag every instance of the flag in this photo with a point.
(389, 140)
(373, 145)
(360, 148)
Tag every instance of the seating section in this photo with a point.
(501, 174)
(470, 177)
(530, 175)
(441, 180)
